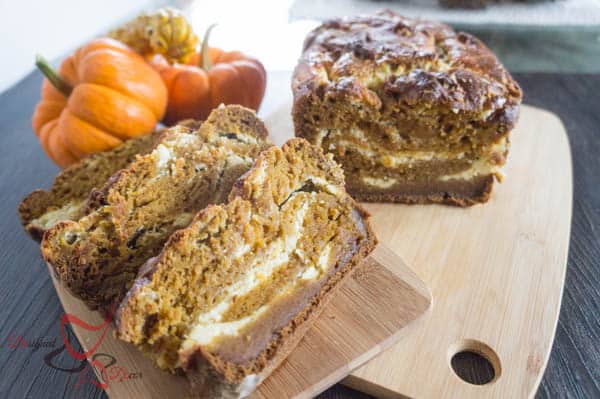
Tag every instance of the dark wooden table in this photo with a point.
(30, 310)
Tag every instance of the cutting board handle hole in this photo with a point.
(474, 362)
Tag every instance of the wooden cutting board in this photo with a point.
(364, 318)
(496, 271)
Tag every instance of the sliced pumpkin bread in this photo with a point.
(129, 219)
(66, 199)
(231, 295)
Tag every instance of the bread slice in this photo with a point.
(130, 218)
(66, 199)
(232, 294)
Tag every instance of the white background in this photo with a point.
(54, 28)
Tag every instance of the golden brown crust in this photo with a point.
(433, 64)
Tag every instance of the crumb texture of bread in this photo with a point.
(128, 220)
(232, 294)
(408, 107)
(41, 209)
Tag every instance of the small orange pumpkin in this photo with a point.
(103, 94)
(210, 77)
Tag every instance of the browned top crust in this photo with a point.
(413, 61)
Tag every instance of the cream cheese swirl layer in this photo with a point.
(209, 325)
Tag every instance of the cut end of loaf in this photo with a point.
(414, 111)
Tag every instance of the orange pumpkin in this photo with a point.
(103, 94)
(209, 78)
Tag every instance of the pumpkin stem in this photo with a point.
(204, 52)
(52, 75)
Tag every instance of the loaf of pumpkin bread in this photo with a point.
(414, 111)
(231, 295)
(129, 219)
